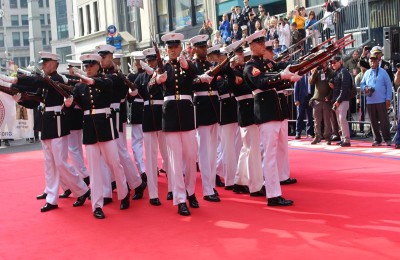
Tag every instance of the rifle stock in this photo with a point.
(24, 95)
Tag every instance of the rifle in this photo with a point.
(214, 71)
(160, 63)
(316, 48)
(54, 84)
(25, 96)
(280, 58)
(121, 75)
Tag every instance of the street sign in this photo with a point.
(112, 30)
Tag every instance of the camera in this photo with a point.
(369, 91)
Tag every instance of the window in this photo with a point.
(13, 4)
(23, 3)
(96, 17)
(89, 24)
(14, 20)
(181, 15)
(44, 42)
(48, 19)
(22, 62)
(24, 20)
(61, 19)
(1, 39)
(63, 52)
(42, 19)
(47, 3)
(25, 38)
(40, 3)
(50, 37)
(1, 21)
(163, 22)
(16, 39)
(81, 24)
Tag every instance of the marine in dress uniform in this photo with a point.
(207, 117)
(118, 101)
(137, 105)
(55, 131)
(268, 112)
(154, 138)
(99, 132)
(178, 122)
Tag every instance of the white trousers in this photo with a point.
(107, 177)
(249, 170)
(76, 152)
(229, 159)
(132, 176)
(137, 146)
(152, 142)
(109, 152)
(56, 164)
(182, 151)
(207, 140)
(270, 140)
(283, 152)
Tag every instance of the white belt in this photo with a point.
(257, 91)
(225, 96)
(140, 100)
(153, 102)
(122, 100)
(106, 110)
(115, 106)
(244, 97)
(178, 97)
(206, 93)
(53, 109)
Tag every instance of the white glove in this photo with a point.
(68, 102)
(8, 79)
(17, 97)
(205, 78)
(133, 93)
(146, 67)
(161, 78)
(295, 77)
(86, 80)
(183, 62)
(5, 84)
(286, 74)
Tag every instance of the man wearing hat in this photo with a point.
(213, 54)
(207, 117)
(54, 133)
(377, 86)
(94, 94)
(342, 83)
(137, 104)
(120, 90)
(268, 113)
(178, 122)
(377, 50)
(152, 124)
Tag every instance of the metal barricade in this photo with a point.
(396, 110)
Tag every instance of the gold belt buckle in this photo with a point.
(177, 97)
(209, 93)
(152, 102)
(93, 111)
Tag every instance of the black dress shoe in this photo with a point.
(144, 177)
(345, 144)
(162, 171)
(48, 207)
(125, 202)
(279, 201)
(65, 194)
(241, 189)
(193, 203)
(170, 196)
(113, 185)
(260, 193)
(297, 137)
(139, 191)
(41, 196)
(335, 138)
(183, 209)
(87, 180)
(98, 213)
(81, 200)
(289, 181)
(107, 201)
(197, 167)
(218, 182)
(216, 192)
(230, 187)
(155, 202)
(212, 198)
(397, 146)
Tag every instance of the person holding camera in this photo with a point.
(377, 87)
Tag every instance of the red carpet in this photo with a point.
(346, 205)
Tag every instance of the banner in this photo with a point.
(16, 121)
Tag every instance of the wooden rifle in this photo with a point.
(25, 96)
(160, 63)
(121, 75)
(214, 71)
(316, 49)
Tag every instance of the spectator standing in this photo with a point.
(300, 22)
(352, 64)
(377, 86)
(311, 20)
(382, 63)
(218, 39)
(341, 85)
(206, 29)
(258, 26)
(296, 37)
(284, 33)
(272, 32)
(251, 24)
(364, 66)
(276, 49)
(236, 33)
(246, 11)
(328, 23)
(224, 27)
(303, 92)
(261, 16)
